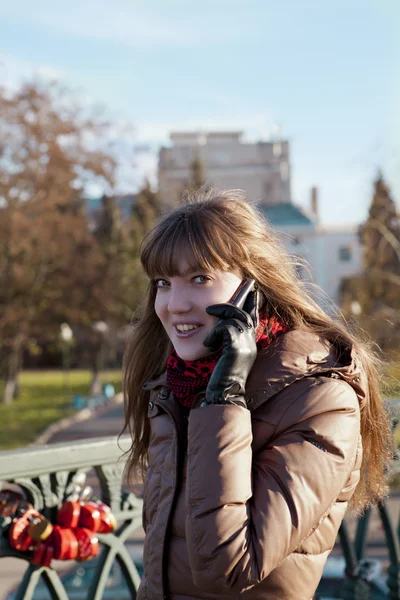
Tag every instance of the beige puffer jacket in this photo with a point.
(248, 503)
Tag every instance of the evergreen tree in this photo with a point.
(109, 225)
(373, 296)
(380, 236)
(120, 276)
(146, 209)
(197, 178)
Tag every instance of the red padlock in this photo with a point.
(88, 543)
(40, 529)
(39, 554)
(64, 543)
(108, 522)
(48, 556)
(89, 517)
(43, 555)
(68, 514)
(18, 534)
(73, 546)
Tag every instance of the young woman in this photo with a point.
(255, 417)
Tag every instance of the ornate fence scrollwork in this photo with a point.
(360, 568)
(45, 475)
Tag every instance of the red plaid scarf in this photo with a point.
(186, 378)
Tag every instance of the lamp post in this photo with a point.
(356, 308)
(66, 335)
(101, 329)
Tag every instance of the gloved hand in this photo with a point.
(235, 332)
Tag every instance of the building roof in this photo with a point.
(285, 214)
(200, 138)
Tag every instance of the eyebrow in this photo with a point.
(185, 273)
(189, 271)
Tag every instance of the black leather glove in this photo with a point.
(235, 332)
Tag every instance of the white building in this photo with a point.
(331, 253)
(262, 168)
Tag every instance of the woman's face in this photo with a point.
(181, 304)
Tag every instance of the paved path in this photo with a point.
(107, 421)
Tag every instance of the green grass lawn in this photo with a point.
(46, 396)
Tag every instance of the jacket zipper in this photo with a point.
(178, 457)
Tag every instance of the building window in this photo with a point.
(277, 149)
(284, 171)
(345, 254)
(268, 191)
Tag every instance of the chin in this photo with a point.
(187, 354)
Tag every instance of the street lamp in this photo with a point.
(356, 308)
(100, 328)
(66, 335)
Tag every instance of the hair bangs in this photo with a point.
(172, 240)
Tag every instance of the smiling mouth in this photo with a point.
(186, 331)
(186, 328)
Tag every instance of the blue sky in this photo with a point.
(327, 72)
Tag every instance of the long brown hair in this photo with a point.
(221, 230)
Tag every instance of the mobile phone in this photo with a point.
(250, 304)
(241, 293)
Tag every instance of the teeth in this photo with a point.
(184, 328)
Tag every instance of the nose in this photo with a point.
(179, 301)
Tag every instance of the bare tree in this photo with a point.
(51, 266)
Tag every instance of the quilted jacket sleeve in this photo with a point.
(247, 513)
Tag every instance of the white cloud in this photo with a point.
(13, 70)
(147, 24)
(118, 22)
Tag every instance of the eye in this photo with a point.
(202, 279)
(161, 283)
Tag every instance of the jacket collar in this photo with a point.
(295, 355)
(298, 354)
(157, 382)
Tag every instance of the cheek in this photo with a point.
(159, 307)
(225, 290)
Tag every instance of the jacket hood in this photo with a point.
(295, 355)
